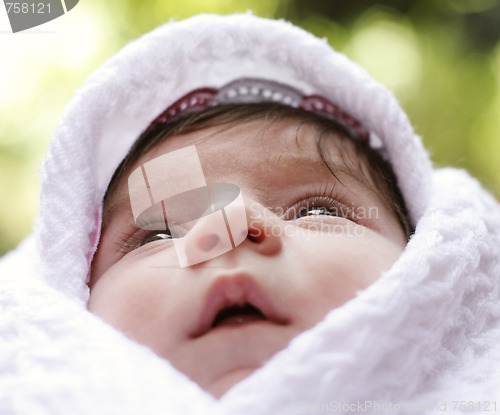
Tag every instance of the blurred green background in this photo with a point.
(440, 57)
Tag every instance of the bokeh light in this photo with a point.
(386, 46)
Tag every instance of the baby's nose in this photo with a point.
(265, 229)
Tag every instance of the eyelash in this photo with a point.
(323, 197)
(127, 242)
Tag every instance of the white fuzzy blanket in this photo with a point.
(422, 339)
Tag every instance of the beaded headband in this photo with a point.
(253, 90)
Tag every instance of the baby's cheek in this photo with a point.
(121, 297)
(110, 300)
(141, 300)
(344, 266)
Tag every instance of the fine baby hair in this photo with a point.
(100, 316)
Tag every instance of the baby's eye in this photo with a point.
(319, 206)
(158, 236)
(317, 210)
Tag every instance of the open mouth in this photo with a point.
(237, 315)
(236, 301)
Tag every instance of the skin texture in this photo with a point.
(293, 267)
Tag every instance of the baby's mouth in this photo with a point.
(236, 301)
(237, 315)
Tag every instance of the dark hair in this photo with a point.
(380, 178)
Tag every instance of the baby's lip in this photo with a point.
(233, 291)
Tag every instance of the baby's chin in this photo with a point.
(219, 386)
(224, 357)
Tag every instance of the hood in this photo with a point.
(120, 100)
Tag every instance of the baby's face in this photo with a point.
(314, 241)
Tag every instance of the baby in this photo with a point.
(324, 219)
(276, 241)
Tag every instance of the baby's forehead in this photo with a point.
(287, 140)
